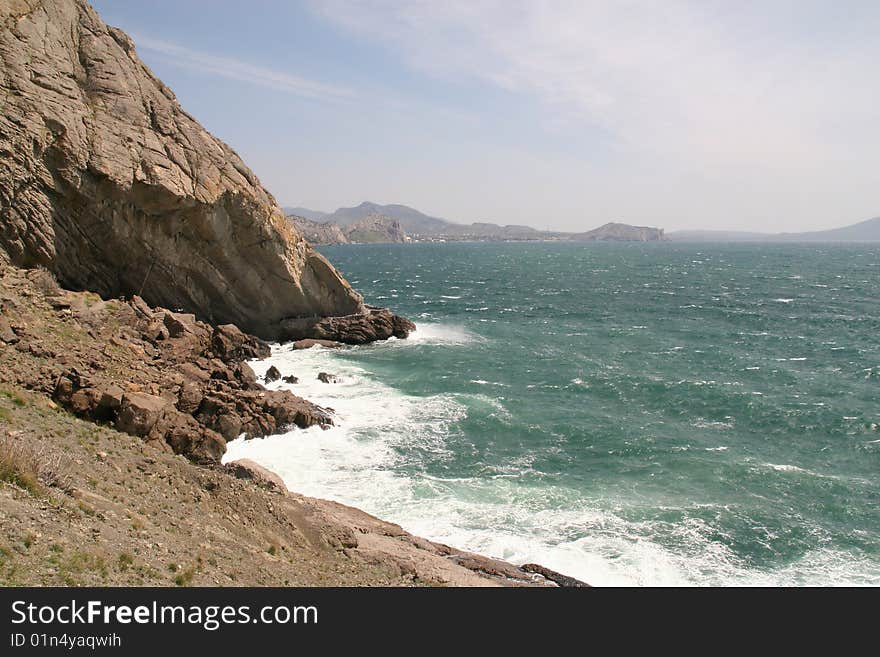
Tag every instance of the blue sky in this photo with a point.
(752, 115)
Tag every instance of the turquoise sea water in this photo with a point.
(626, 413)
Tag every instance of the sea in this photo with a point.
(630, 414)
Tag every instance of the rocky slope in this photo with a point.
(317, 232)
(99, 403)
(106, 181)
(621, 233)
(375, 228)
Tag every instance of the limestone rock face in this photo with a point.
(106, 181)
(317, 232)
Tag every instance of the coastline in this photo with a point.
(85, 503)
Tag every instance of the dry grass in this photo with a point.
(31, 466)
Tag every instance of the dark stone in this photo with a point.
(327, 378)
(272, 374)
(371, 325)
(290, 379)
(560, 579)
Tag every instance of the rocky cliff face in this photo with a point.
(317, 232)
(110, 184)
(621, 233)
(375, 228)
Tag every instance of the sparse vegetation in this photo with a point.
(30, 465)
(186, 577)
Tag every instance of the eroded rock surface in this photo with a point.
(107, 182)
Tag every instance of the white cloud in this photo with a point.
(760, 94)
(235, 69)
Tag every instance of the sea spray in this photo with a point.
(602, 427)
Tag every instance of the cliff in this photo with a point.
(317, 232)
(98, 398)
(621, 233)
(107, 182)
(376, 228)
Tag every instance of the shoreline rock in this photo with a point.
(184, 394)
(113, 187)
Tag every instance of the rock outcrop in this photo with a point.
(175, 382)
(107, 182)
(621, 233)
(372, 229)
(318, 232)
(374, 324)
(375, 229)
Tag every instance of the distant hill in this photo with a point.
(865, 231)
(411, 220)
(419, 226)
(620, 233)
(375, 228)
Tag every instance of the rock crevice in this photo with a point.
(106, 181)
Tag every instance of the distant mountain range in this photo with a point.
(865, 231)
(420, 227)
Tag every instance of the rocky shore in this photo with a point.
(116, 401)
(114, 416)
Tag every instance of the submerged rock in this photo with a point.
(290, 379)
(272, 374)
(327, 378)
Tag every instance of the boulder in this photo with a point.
(290, 379)
(247, 469)
(309, 343)
(560, 579)
(368, 326)
(272, 374)
(7, 335)
(139, 413)
(189, 398)
(231, 344)
(327, 378)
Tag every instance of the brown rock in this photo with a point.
(247, 469)
(189, 398)
(139, 413)
(290, 379)
(272, 374)
(309, 343)
(7, 335)
(553, 576)
(113, 187)
(186, 436)
(327, 378)
(231, 344)
(371, 325)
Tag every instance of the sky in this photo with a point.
(759, 115)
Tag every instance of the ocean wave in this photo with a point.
(430, 333)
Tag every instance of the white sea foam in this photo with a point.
(379, 431)
(428, 333)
